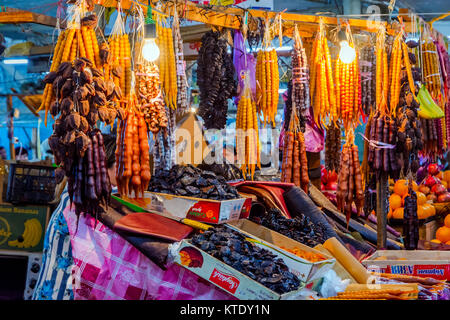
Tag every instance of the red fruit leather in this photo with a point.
(153, 225)
(277, 195)
(276, 189)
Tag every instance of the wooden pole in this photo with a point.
(381, 211)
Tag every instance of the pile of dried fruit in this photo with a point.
(257, 263)
(193, 182)
(148, 92)
(300, 228)
(216, 80)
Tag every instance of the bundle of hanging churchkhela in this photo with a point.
(294, 168)
(167, 62)
(80, 101)
(267, 78)
(410, 219)
(333, 147)
(300, 80)
(348, 89)
(247, 136)
(383, 136)
(368, 81)
(132, 152)
(350, 187)
(78, 40)
(182, 84)
(322, 88)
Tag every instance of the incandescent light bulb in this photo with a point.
(150, 50)
(347, 54)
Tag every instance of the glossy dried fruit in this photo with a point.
(73, 121)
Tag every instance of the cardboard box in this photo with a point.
(420, 263)
(203, 210)
(23, 222)
(305, 270)
(225, 276)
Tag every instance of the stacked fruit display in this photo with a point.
(443, 233)
(329, 179)
(397, 201)
(434, 186)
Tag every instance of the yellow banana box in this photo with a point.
(22, 228)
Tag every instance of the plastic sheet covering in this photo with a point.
(243, 61)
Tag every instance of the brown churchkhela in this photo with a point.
(132, 153)
(350, 187)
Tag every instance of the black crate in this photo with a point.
(29, 183)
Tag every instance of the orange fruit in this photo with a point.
(428, 210)
(435, 241)
(445, 184)
(395, 201)
(389, 215)
(440, 175)
(447, 221)
(398, 213)
(421, 213)
(401, 187)
(403, 199)
(421, 198)
(448, 242)
(415, 187)
(443, 234)
(447, 175)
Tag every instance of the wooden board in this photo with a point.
(16, 16)
(231, 17)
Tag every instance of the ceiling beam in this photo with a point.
(17, 16)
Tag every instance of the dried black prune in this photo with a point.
(255, 262)
(300, 228)
(192, 181)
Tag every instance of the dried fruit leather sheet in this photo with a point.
(347, 260)
(153, 225)
(274, 190)
(156, 249)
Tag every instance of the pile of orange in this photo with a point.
(443, 233)
(397, 201)
(445, 177)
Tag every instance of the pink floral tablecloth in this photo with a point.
(107, 267)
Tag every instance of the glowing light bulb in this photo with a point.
(150, 50)
(347, 54)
